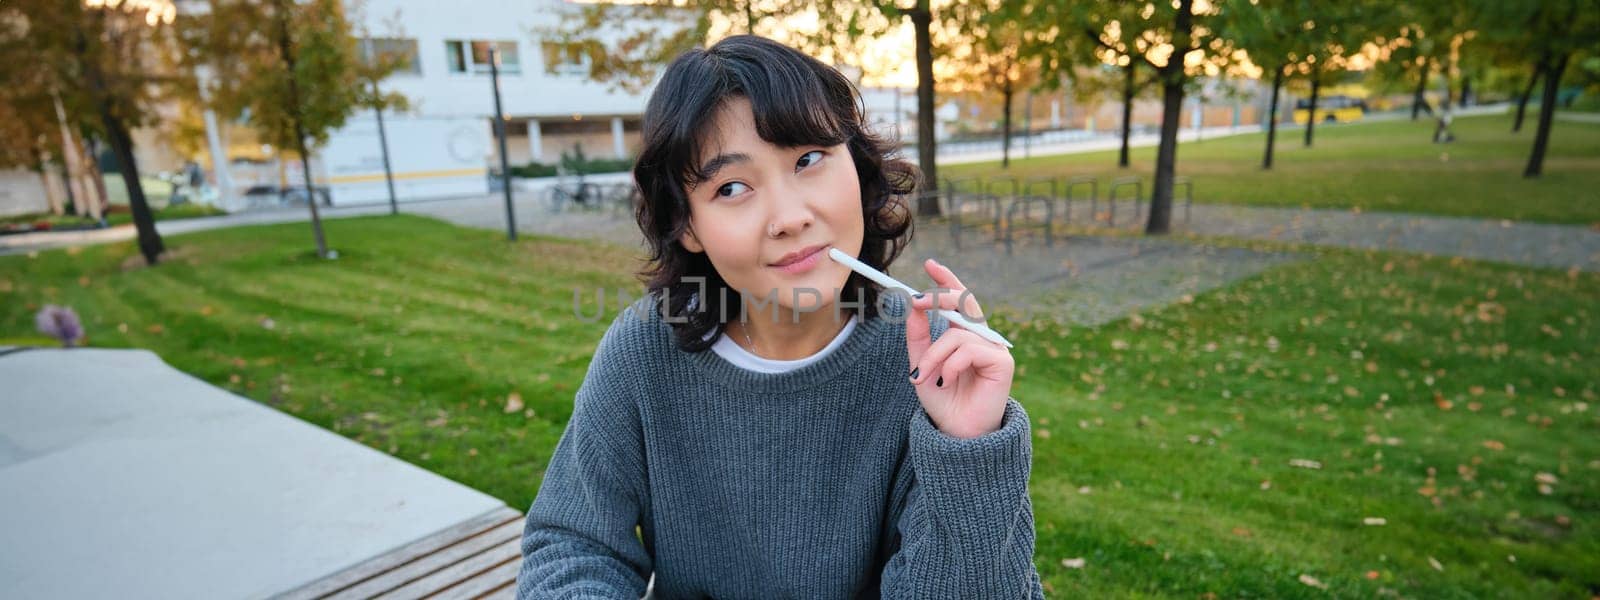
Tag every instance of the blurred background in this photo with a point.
(1303, 292)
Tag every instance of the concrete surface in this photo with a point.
(127, 478)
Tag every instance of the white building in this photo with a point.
(449, 77)
(444, 144)
(892, 111)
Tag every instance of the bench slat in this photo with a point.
(499, 582)
(432, 564)
(509, 552)
(404, 554)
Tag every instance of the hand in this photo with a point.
(963, 380)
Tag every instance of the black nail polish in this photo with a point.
(919, 295)
(914, 373)
(940, 382)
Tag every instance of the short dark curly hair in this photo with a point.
(796, 100)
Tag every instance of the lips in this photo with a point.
(797, 256)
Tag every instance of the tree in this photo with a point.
(1411, 50)
(291, 68)
(994, 59)
(1328, 33)
(626, 44)
(1096, 35)
(1271, 37)
(104, 63)
(377, 62)
(1177, 33)
(1554, 31)
(1522, 98)
(27, 117)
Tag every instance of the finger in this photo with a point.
(930, 368)
(942, 275)
(919, 334)
(960, 300)
(955, 366)
(982, 361)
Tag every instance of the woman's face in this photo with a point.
(760, 203)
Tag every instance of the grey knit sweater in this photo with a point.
(827, 481)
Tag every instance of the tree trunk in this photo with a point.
(1272, 117)
(1005, 128)
(1128, 89)
(98, 200)
(1441, 133)
(1466, 91)
(1522, 100)
(921, 20)
(144, 221)
(1547, 111)
(39, 160)
(1171, 109)
(1311, 114)
(1417, 99)
(286, 51)
(1166, 159)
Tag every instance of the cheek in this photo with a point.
(729, 241)
(844, 200)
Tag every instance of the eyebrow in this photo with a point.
(710, 169)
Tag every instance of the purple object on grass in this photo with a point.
(60, 322)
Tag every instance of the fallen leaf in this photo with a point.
(1434, 562)
(1073, 563)
(513, 403)
(1375, 521)
(1312, 581)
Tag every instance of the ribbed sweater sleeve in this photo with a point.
(579, 540)
(966, 530)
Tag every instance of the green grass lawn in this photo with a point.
(1379, 166)
(1232, 445)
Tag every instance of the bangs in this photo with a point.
(795, 100)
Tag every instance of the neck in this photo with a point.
(781, 333)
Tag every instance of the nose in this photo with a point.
(792, 214)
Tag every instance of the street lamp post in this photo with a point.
(383, 142)
(500, 132)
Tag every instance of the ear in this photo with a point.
(690, 242)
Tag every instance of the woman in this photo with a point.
(767, 423)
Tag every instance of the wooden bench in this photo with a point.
(475, 559)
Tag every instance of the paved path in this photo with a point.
(127, 478)
(1579, 117)
(1086, 280)
(1527, 244)
(1104, 277)
(972, 152)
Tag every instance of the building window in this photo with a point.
(401, 50)
(566, 61)
(472, 56)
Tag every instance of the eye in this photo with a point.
(728, 189)
(803, 163)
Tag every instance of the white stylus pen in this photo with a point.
(889, 282)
